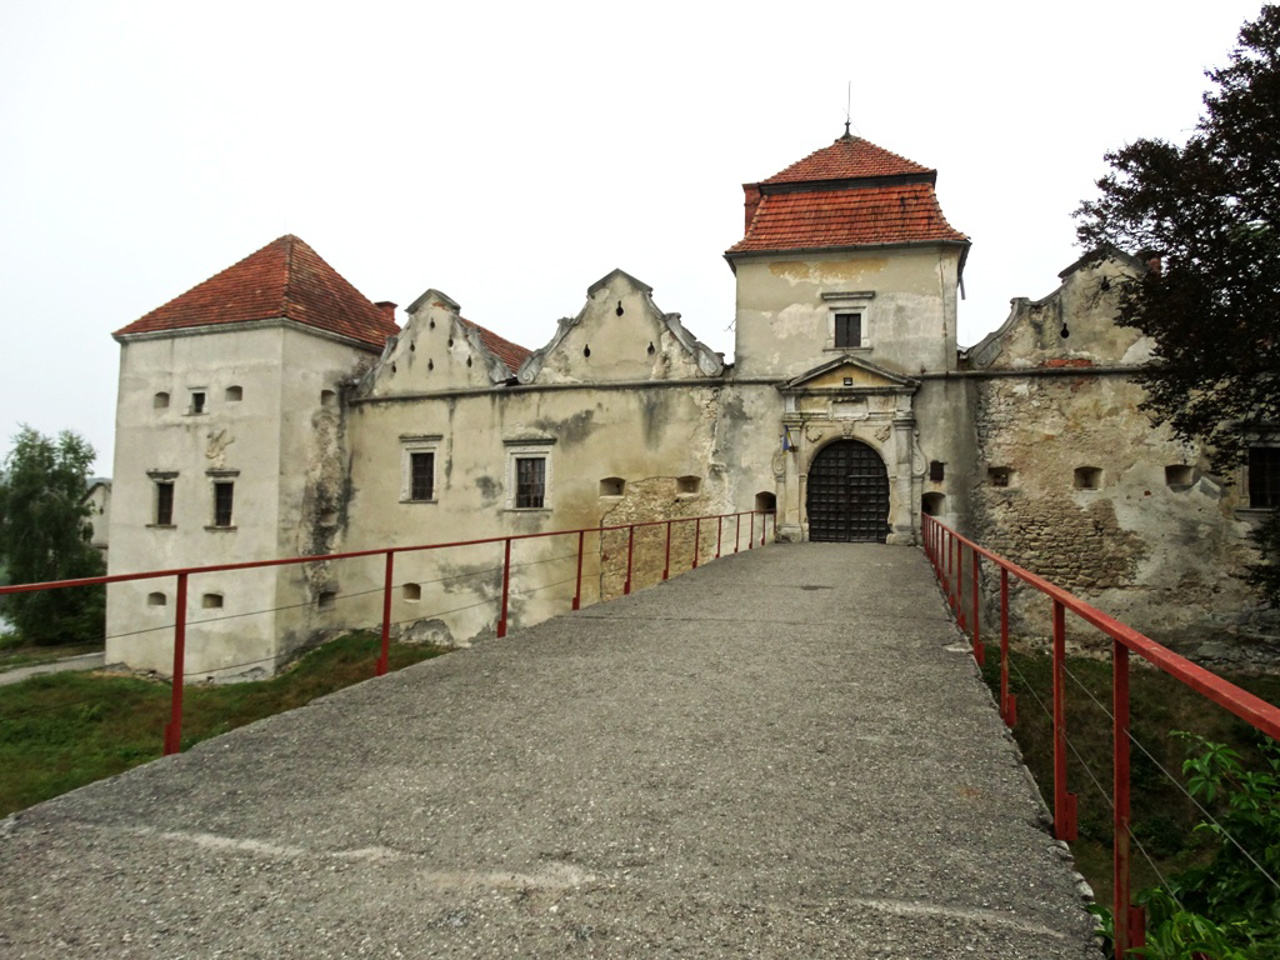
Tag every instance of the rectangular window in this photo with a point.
(197, 401)
(531, 482)
(164, 504)
(223, 496)
(422, 476)
(1264, 477)
(848, 329)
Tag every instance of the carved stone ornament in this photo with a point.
(847, 429)
(813, 433)
(216, 452)
(884, 433)
(779, 464)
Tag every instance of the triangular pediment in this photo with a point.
(849, 372)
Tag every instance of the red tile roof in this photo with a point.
(907, 213)
(851, 193)
(512, 354)
(848, 158)
(286, 278)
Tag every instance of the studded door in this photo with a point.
(848, 494)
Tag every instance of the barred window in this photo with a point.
(223, 497)
(531, 482)
(1264, 477)
(422, 476)
(164, 504)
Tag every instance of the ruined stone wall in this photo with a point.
(1072, 481)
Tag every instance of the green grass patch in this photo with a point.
(1161, 815)
(64, 730)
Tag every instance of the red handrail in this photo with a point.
(944, 548)
(173, 729)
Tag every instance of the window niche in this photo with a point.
(211, 601)
(157, 600)
(612, 487)
(688, 486)
(233, 394)
(160, 401)
(412, 592)
(933, 504)
(766, 502)
(1179, 476)
(1088, 478)
(999, 476)
(328, 398)
(325, 599)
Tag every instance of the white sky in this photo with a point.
(512, 154)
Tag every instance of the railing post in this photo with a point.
(697, 540)
(631, 539)
(506, 587)
(173, 730)
(979, 654)
(737, 531)
(764, 527)
(666, 560)
(719, 533)
(1121, 907)
(1064, 803)
(957, 581)
(751, 529)
(1008, 702)
(384, 654)
(577, 590)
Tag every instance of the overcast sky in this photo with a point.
(511, 155)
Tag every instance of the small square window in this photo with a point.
(937, 471)
(1088, 478)
(197, 401)
(848, 330)
(999, 476)
(1264, 477)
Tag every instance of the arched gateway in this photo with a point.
(848, 496)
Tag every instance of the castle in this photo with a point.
(274, 411)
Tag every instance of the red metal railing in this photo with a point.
(173, 730)
(946, 550)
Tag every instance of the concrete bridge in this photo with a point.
(785, 753)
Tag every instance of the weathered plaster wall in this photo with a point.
(784, 324)
(262, 387)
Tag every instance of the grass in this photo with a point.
(61, 731)
(1162, 817)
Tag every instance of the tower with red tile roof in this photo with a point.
(230, 447)
(847, 277)
(849, 226)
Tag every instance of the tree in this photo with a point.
(1206, 219)
(44, 535)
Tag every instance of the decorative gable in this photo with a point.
(440, 350)
(620, 335)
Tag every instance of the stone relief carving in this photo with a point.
(918, 462)
(847, 429)
(884, 433)
(813, 433)
(779, 464)
(216, 451)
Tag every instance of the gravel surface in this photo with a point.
(786, 753)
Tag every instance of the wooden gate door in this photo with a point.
(848, 494)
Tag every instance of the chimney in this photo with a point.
(388, 310)
(751, 202)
